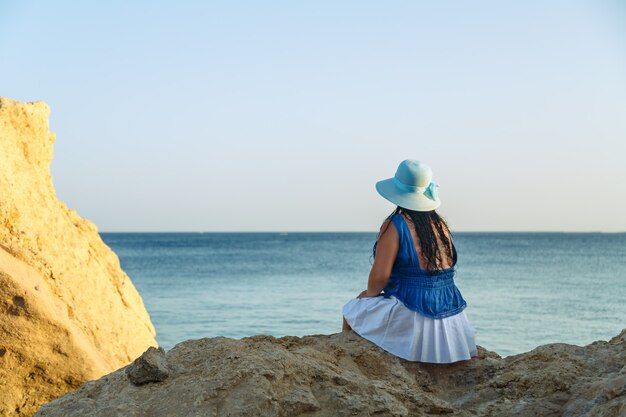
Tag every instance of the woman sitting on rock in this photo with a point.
(411, 307)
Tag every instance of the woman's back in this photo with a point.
(412, 307)
(446, 249)
(436, 253)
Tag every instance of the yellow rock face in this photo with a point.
(68, 313)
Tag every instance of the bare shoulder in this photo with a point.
(387, 226)
(448, 235)
(447, 232)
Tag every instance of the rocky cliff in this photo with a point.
(68, 313)
(344, 375)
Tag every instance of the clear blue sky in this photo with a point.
(232, 116)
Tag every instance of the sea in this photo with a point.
(522, 289)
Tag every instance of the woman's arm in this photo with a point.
(386, 251)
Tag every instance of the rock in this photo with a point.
(149, 367)
(68, 313)
(345, 375)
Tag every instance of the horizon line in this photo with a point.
(347, 231)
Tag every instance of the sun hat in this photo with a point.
(412, 187)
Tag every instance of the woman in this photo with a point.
(411, 307)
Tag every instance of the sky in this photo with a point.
(281, 116)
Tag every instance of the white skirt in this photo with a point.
(388, 323)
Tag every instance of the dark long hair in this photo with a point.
(428, 226)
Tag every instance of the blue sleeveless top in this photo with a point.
(432, 294)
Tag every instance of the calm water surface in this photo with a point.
(522, 289)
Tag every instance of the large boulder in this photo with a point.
(345, 375)
(68, 313)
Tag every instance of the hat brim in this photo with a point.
(409, 200)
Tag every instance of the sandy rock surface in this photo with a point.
(68, 313)
(345, 375)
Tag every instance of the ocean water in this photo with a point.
(522, 289)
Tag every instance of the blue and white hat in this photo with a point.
(412, 187)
